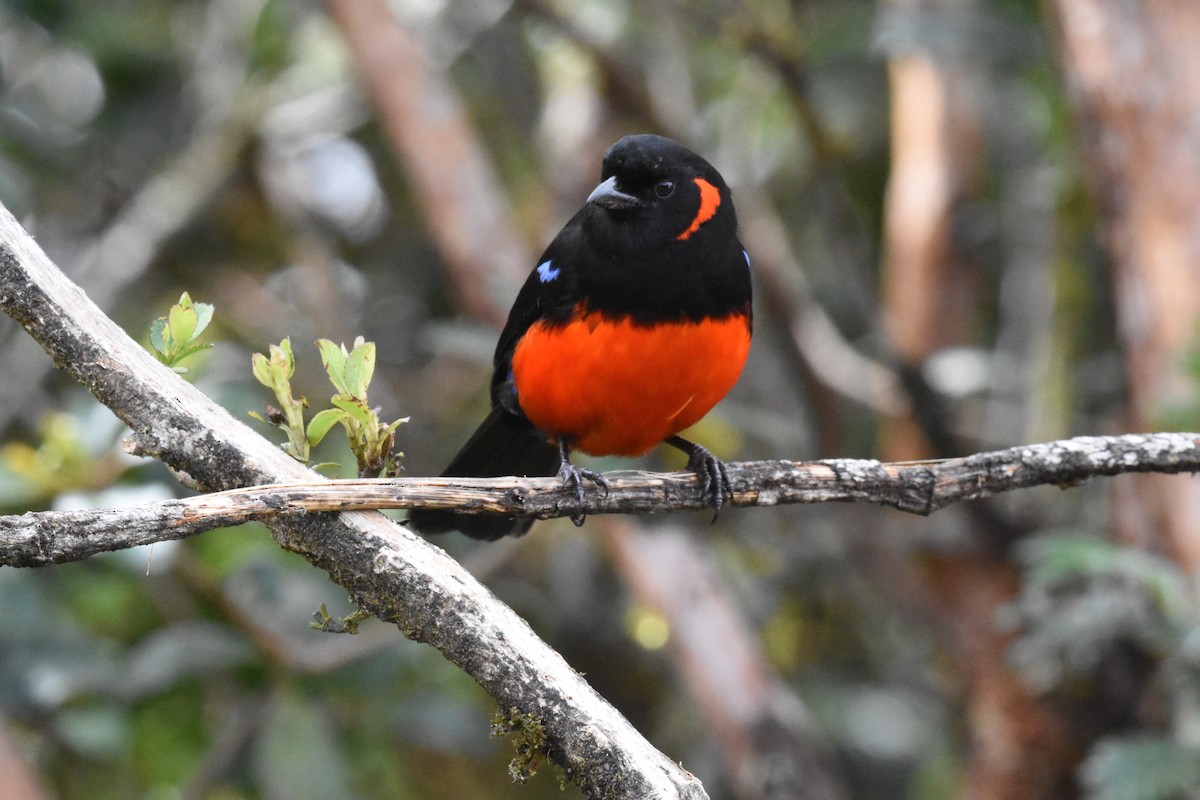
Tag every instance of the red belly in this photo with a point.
(616, 388)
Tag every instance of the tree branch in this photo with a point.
(51, 537)
(388, 571)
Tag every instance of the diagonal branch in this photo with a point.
(388, 571)
(51, 537)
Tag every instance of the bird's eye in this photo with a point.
(664, 188)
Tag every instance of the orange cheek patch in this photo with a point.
(710, 200)
(616, 388)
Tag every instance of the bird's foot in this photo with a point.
(715, 483)
(573, 478)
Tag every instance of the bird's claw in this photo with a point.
(573, 478)
(714, 476)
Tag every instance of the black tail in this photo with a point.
(503, 445)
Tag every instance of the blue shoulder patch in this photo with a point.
(546, 273)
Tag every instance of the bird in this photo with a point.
(634, 323)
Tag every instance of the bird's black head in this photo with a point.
(655, 192)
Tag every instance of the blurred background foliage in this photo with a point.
(1042, 645)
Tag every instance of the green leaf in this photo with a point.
(174, 336)
(182, 322)
(284, 351)
(360, 367)
(204, 315)
(322, 422)
(1140, 768)
(158, 335)
(1053, 559)
(261, 367)
(1058, 557)
(333, 356)
(356, 409)
(98, 732)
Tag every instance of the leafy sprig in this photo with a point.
(275, 371)
(371, 440)
(350, 371)
(174, 337)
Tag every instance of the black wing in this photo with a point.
(550, 292)
(506, 443)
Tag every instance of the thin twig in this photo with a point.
(51, 537)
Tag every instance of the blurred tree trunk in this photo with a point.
(929, 289)
(1017, 748)
(1132, 70)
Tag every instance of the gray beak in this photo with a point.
(606, 195)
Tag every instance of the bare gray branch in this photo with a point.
(41, 538)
